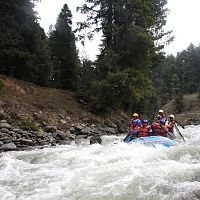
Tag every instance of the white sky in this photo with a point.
(183, 20)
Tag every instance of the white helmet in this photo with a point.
(171, 116)
(161, 111)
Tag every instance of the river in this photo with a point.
(104, 172)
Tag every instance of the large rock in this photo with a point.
(108, 130)
(86, 130)
(5, 125)
(50, 129)
(95, 139)
(8, 147)
(79, 127)
(4, 130)
(61, 134)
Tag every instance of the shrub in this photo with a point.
(2, 85)
(28, 124)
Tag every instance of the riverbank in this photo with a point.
(37, 116)
(12, 138)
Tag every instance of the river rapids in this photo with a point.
(112, 171)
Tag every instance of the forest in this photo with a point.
(131, 72)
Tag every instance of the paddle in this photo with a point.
(179, 132)
(172, 137)
(128, 135)
(180, 124)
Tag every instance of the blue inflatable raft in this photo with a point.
(153, 140)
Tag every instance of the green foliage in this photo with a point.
(2, 85)
(122, 88)
(198, 90)
(63, 52)
(177, 94)
(28, 124)
(186, 66)
(23, 46)
(130, 48)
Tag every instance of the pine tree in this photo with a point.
(24, 53)
(64, 53)
(130, 31)
(177, 94)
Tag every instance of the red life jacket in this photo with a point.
(160, 131)
(134, 129)
(144, 131)
(170, 127)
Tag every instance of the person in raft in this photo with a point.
(135, 116)
(144, 130)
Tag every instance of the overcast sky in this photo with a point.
(183, 20)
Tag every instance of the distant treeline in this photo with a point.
(178, 75)
(130, 73)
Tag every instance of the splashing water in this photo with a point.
(104, 172)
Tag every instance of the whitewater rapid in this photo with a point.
(104, 172)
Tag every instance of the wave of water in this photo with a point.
(104, 172)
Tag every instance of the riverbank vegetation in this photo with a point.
(131, 73)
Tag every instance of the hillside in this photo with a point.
(191, 113)
(19, 99)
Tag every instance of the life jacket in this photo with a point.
(138, 122)
(170, 127)
(159, 130)
(144, 131)
(134, 129)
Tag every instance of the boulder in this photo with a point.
(61, 134)
(108, 130)
(4, 130)
(8, 147)
(95, 139)
(5, 125)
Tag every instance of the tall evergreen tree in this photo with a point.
(24, 53)
(131, 30)
(177, 94)
(64, 53)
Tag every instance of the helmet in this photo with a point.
(158, 117)
(161, 111)
(135, 115)
(162, 121)
(134, 121)
(144, 121)
(171, 116)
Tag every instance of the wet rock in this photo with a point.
(54, 134)
(86, 130)
(65, 142)
(72, 130)
(81, 137)
(95, 139)
(72, 136)
(61, 134)
(8, 147)
(108, 130)
(78, 127)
